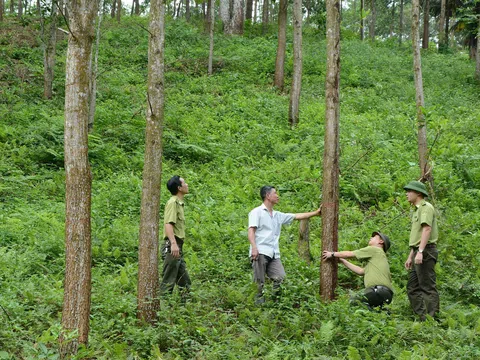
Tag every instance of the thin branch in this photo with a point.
(144, 28)
(150, 104)
(356, 162)
(66, 21)
(6, 313)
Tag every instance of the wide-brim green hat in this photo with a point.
(385, 238)
(416, 186)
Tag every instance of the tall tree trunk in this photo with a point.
(420, 102)
(237, 17)
(294, 108)
(282, 43)
(304, 241)
(137, 7)
(94, 71)
(187, 10)
(426, 24)
(447, 21)
(224, 12)
(119, 10)
(373, 20)
(20, 8)
(441, 26)
(477, 67)
(179, 7)
(248, 14)
(362, 20)
(148, 278)
(49, 49)
(265, 17)
(114, 7)
(39, 8)
(330, 206)
(211, 26)
(392, 21)
(400, 25)
(2, 9)
(255, 8)
(78, 179)
(207, 17)
(12, 7)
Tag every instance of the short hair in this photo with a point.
(173, 184)
(265, 190)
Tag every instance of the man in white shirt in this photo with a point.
(264, 225)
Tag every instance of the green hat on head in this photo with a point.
(385, 238)
(416, 186)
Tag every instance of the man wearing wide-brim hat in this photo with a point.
(422, 281)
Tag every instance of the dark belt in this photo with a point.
(381, 287)
(428, 246)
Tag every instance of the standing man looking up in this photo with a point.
(422, 280)
(264, 226)
(174, 267)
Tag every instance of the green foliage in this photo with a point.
(228, 135)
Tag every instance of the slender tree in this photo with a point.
(400, 25)
(441, 26)
(282, 43)
(248, 11)
(392, 22)
(12, 7)
(148, 278)
(2, 9)
(477, 67)
(373, 20)
(426, 24)
(420, 102)
(304, 241)
(362, 20)
(78, 179)
(330, 203)
(294, 108)
(187, 10)
(114, 8)
(265, 16)
(49, 49)
(20, 8)
(119, 10)
(211, 26)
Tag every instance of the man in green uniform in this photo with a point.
(174, 267)
(377, 278)
(422, 280)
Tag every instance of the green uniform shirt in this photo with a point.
(424, 214)
(174, 215)
(377, 270)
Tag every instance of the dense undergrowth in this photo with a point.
(228, 135)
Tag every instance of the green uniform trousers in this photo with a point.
(174, 270)
(422, 284)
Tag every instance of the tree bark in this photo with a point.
(304, 241)
(148, 278)
(20, 8)
(265, 17)
(441, 26)
(114, 7)
(362, 20)
(477, 67)
(248, 13)
(119, 10)
(238, 17)
(282, 43)
(294, 108)
(78, 179)
(420, 102)
(400, 25)
(255, 8)
(187, 10)
(49, 49)
(211, 26)
(426, 24)
(373, 20)
(12, 7)
(231, 13)
(330, 206)
(2, 9)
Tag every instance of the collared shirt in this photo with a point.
(377, 270)
(423, 215)
(267, 233)
(174, 214)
